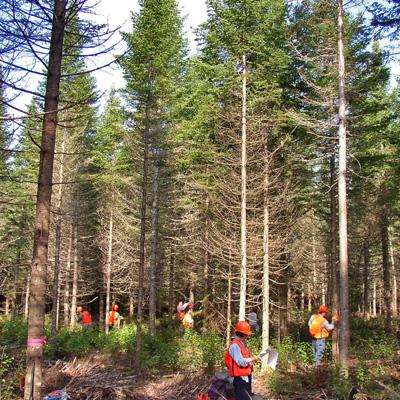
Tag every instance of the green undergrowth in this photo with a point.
(167, 351)
(373, 365)
(374, 356)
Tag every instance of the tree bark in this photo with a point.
(154, 242)
(386, 270)
(344, 339)
(16, 279)
(139, 312)
(75, 271)
(67, 279)
(7, 306)
(131, 307)
(206, 269)
(265, 278)
(159, 281)
(108, 267)
(56, 279)
(229, 305)
(334, 287)
(243, 208)
(171, 302)
(34, 354)
(394, 291)
(27, 295)
(366, 276)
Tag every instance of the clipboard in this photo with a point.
(273, 356)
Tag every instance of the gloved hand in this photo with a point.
(335, 318)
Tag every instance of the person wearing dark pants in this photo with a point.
(319, 330)
(239, 361)
(242, 388)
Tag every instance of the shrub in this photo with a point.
(14, 331)
(379, 346)
(363, 375)
(74, 342)
(160, 351)
(122, 340)
(9, 366)
(213, 351)
(339, 383)
(291, 352)
(190, 353)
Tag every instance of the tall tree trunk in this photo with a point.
(315, 292)
(56, 278)
(37, 301)
(160, 281)
(265, 278)
(16, 280)
(131, 306)
(27, 295)
(394, 291)
(192, 278)
(67, 279)
(344, 339)
(229, 304)
(108, 267)
(243, 208)
(139, 312)
(366, 276)
(374, 299)
(75, 271)
(154, 242)
(386, 269)
(206, 269)
(334, 287)
(102, 308)
(7, 306)
(171, 303)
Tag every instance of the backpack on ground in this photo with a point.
(221, 387)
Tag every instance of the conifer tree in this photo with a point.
(152, 69)
(241, 41)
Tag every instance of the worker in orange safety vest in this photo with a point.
(320, 328)
(239, 361)
(114, 318)
(180, 310)
(84, 317)
(188, 320)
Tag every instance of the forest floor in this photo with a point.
(98, 376)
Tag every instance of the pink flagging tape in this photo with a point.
(36, 342)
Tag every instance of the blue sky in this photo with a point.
(117, 13)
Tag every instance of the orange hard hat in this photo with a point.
(322, 309)
(243, 327)
(79, 309)
(115, 307)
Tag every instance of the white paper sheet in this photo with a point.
(272, 357)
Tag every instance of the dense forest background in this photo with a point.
(210, 178)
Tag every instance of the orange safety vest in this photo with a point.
(187, 321)
(86, 317)
(233, 368)
(113, 318)
(316, 330)
(180, 315)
